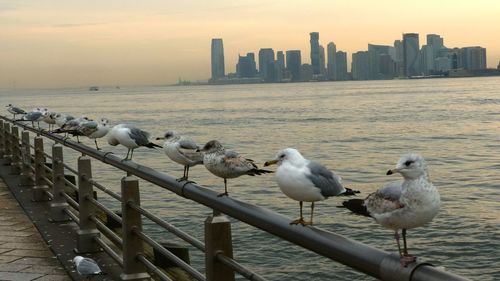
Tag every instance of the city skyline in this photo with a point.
(62, 44)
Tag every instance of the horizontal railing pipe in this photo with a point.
(105, 189)
(105, 209)
(170, 228)
(73, 216)
(149, 265)
(369, 260)
(115, 238)
(173, 258)
(108, 250)
(234, 265)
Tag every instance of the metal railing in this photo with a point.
(127, 245)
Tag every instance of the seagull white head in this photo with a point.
(212, 146)
(77, 259)
(290, 155)
(410, 166)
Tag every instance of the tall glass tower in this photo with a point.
(217, 59)
(411, 48)
(315, 56)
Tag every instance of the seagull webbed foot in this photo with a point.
(407, 259)
(223, 194)
(181, 179)
(301, 221)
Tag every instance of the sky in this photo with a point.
(79, 43)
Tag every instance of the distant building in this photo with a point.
(217, 59)
(306, 72)
(411, 49)
(427, 60)
(280, 66)
(375, 66)
(399, 58)
(436, 43)
(322, 69)
(315, 55)
(331, 51)
(442, 65)
(472, 58)
(340, 66)
(293, 64)
(266, 64)
(361, 65)
(246, 67)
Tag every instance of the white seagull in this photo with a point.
(182, 150)
(87, 267)
(227, 164)
(130, 137)
(15, 110)
(402, 205)
(305, 180)
(36, 115)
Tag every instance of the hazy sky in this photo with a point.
(63, 43)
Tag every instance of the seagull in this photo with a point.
(182, 150)
(15, 110)
(48, 117)
(72, 125)
(89, 128)
(402, 205)
(227, 164)
(87, 267)
(305, 180)
(62, 119)
(130, 137)
(36, 115)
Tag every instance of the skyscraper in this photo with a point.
(340, 66)
(399, 58)
(322, 61)
(436, 43)
(266, 64)
(472, 58)
(293, 64)
(217, 59)
(246, 66)
(361, 65)
(331, 51)
(411, 49)
(280, 65)
(375, 53)
(315, 56)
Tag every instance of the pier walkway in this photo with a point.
(24, 255)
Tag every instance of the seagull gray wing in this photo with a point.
(88, 267)
(32, 116)
(17, 110)
(140, 137)
(385, 199)
(187, 143)
(87, 128)
(328, 183)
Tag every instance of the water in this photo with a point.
(359, 129)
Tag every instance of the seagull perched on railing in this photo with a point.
(71, 127)
(62, 118)
(89, 128)
(227, 164)
(36, 115)
(305, 180)
(15, 110)
(402, 205)
(87, 267)
(182, 150)
(130, 137)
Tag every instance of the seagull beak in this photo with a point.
(393, 171)
(271, 162)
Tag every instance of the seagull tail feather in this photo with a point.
(349, 192)
(356, 206)
(258, 172)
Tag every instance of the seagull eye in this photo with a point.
(408, 163)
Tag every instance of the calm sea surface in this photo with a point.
(358, 129)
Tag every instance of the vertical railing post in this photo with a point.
(15, 165)
(40, 185)
(2, 142)
(7, 152)
(58, 205)
(27, 173)
(218, 240)
(133, 269)
(88, 229)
